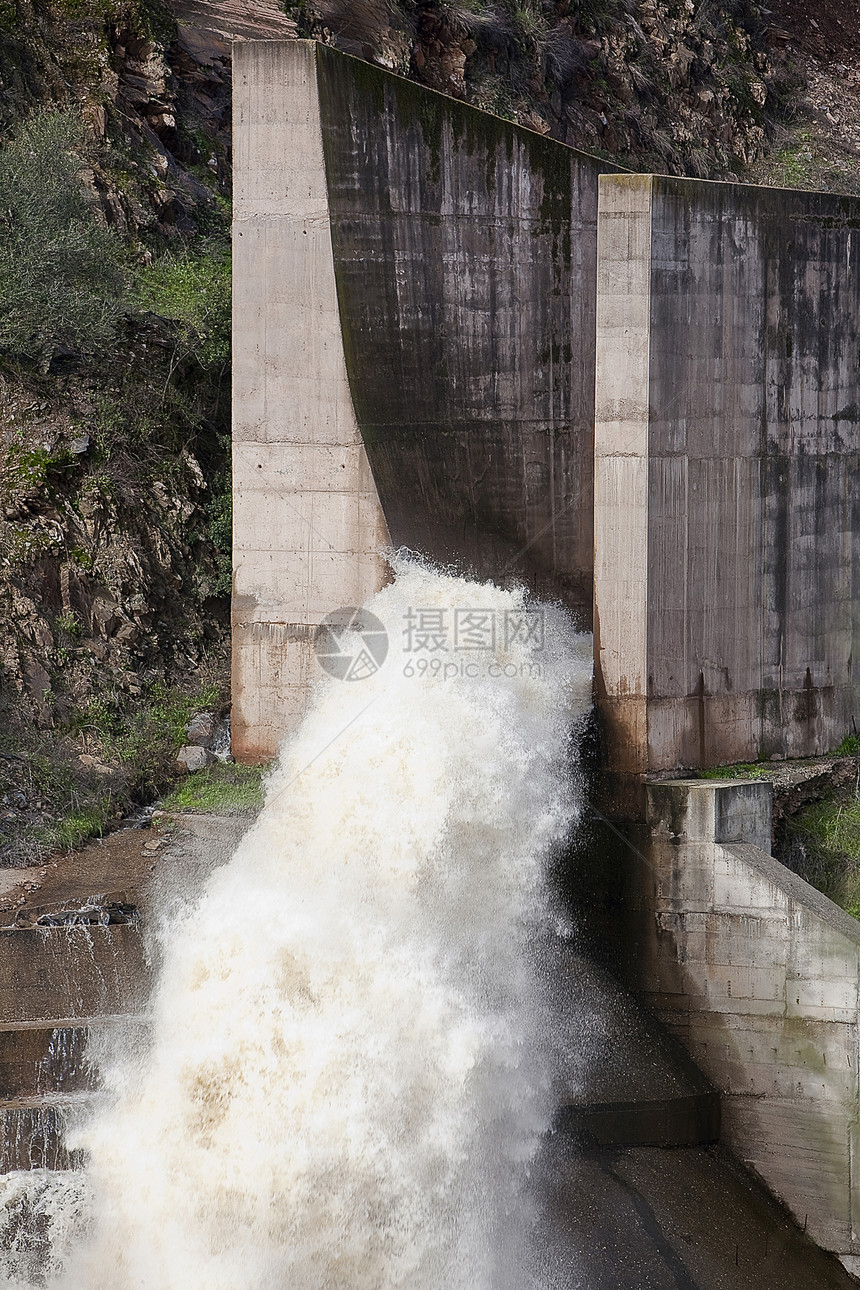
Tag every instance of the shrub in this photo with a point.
(220, 513)
(192, 290)
(61, 269)
(144, 741)
(823, 846)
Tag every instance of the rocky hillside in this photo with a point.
(681, 86)
(114, 403)
(818, 145)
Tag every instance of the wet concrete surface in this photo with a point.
(115, 868)
(625, 1079)
(79, 949)
(124, 868)
(650, 1218)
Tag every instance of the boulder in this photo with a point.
(201, 729)
(192, 757)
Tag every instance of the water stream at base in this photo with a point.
(347, 1075)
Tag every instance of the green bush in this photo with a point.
(192, 290)
(144, 741)
(61, 270)
(823, 846)
(220, 512)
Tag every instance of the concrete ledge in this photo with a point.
(696, 810)
(758, 975)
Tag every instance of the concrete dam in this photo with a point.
(637, 396)
(543, 503)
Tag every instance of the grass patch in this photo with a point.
(823, 847)
(144, 741)
(795, 165)
(74, 830)
(222, 789)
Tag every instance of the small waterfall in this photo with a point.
(348, 1075)
(64, 1064)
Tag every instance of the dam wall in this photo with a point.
(727, 517)
(415, 292)
(453, 334)
(757, 974)
(426, 303)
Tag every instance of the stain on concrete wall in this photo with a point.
(750, 433)
(465, 257)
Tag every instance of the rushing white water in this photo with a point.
(347, 1077)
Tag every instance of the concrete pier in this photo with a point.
(308, 525)
(727, 524)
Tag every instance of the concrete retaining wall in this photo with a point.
(56, 974)
(757, 974)
(414, 322)
(727, 518)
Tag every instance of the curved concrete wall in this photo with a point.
(414, 309)
(465, 256)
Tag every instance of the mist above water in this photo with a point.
(348, 1074)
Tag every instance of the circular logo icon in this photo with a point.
(351, 644)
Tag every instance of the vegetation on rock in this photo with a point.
(822, 844)
(114, 410)
(678, 86)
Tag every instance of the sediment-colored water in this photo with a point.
(346, 1078)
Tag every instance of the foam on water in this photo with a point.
(347, 1079)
